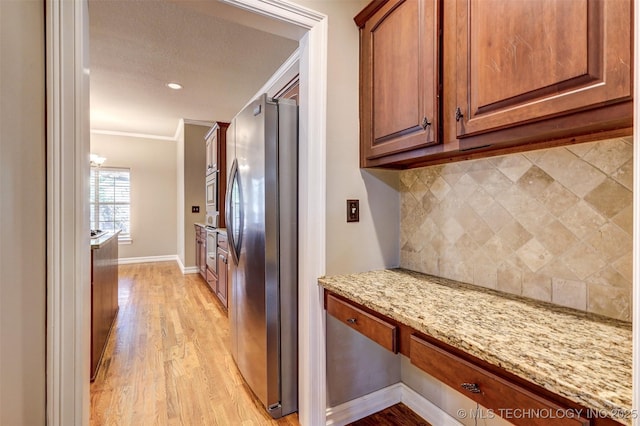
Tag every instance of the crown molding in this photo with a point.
(133, 135)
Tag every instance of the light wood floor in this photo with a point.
(167, 361)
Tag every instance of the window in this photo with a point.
(110, 200)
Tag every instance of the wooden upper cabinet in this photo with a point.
(398, 79)
(522, 62)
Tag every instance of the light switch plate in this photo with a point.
(353, 210)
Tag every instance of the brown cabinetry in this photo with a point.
(216, 163)
(201, 250)
(398, 80)
(104, 296)
(491, 386)
(488, 389)
(497, 76)
(222, 287)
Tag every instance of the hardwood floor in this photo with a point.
(396, 415)
(167, 361)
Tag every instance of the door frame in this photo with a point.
(68, 250)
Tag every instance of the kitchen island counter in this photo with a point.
(582, 357)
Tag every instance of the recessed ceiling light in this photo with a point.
(174, 86)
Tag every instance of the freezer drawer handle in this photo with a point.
(351, 320)
(471, 387)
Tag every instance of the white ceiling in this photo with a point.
(137, 47)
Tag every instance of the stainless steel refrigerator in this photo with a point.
(262, 228)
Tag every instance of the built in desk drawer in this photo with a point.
(377, 329)
(518, 405)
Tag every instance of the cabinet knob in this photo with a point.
(458, 114)
(471, 387)
(425, 123)
(352, 320)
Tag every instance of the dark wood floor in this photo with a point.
(396, 415)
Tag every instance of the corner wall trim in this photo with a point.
(371, 403)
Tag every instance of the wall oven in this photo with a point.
(212, 211)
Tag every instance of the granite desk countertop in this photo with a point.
(583, 357)
(98, 242)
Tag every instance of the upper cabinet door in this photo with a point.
(521, 61)
(398, 77)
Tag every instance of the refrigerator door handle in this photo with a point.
(234, 213)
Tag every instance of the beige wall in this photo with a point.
(372, 243)
(191, 177)
(553, 225)
(153, 190)
(22, 213)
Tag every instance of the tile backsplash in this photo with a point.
(552, 225)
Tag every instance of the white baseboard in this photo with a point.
(426, 409)
(371, 403)
(364, 406)
(147, 259)
(186, 270)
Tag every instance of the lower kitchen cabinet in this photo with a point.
(201, 250)
(489, 385)
(222, 287)
(104, 296)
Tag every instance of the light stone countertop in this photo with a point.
(583, 357)
(96, 243)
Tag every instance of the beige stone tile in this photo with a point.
(473, 225)
(572, 294)
(440, 188)
(496, 250)
(480, 201)
(624, 175)
(496, 183)
(582, 219)
(609, 198)
(557, 269)
(516, 201)
(428, 175)
(429, 202)
(514, 235)
(534, 156)
(610, 242)
(459, 271)
(534, 182)
(418, 189)
(481, 164)
(509, 279)
(452, 178)
(624, 266)
(465, 186)
(408, 177)
(609, 277)
(496, 216)
(485, 272)
(467, 247)
(535, 221)
(611, 302)
(429, 259)
(609, 155)
(536, 286)
(624, 220)
(581, 149)
(534, 255)
(581, 177)
(457, 167)
(583, 260)
(513, 166)
(557, 199)
(556, 238)
(555, 161)
(452, 230)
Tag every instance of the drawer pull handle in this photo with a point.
(351, 320)
(471, 387)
